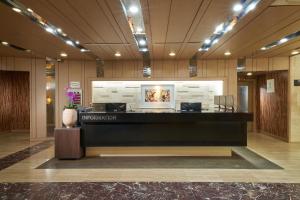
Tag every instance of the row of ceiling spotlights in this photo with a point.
(55, 31)
(226, 27)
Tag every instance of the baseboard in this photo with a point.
(41, 139)
(158, 151)
(274, 136)
(20, 130)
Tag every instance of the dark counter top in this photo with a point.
(150, 117)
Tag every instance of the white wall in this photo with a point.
(130, 92)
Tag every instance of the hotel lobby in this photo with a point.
(150, 99)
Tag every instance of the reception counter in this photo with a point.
(164, 129)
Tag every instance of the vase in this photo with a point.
(69, 117)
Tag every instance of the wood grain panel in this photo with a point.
(272, 107)
(14, 98)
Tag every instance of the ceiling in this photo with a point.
(171, 25)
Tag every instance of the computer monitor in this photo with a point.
(190, 107)
(115, 107)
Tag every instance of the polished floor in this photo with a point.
(18, 178)
(286, 155)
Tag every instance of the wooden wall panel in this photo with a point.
(267, 64)
(272, 108)
(5, 101)
(15, 101)
(294, 100)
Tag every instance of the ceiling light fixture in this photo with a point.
(283, 40)
(49, 30)
(144, 49)
(237, 7)
(69, 42)
(139, 30)
(295, 52)
(249, 74)
(83, 50)
(63, 54)
(17, 10)
(4, 43)
(142, 42)
(251, 7)
(215, 41)
(172, 54)
(219, 28)
(207, 41)
(227, 53)
(263, 48)
(133, 9)
(44, 24)
(117, 54)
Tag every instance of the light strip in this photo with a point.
(4, 43)
(281, 41)
(227, 26)
(133, 12)
(47, 26)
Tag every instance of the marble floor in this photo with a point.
(18, 178)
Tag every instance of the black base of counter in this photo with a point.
(164, 129)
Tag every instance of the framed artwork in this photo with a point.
(157, 96)
(270, 86)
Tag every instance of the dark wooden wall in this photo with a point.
(272, 108)
(14, 100)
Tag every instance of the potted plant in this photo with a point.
(69, 117)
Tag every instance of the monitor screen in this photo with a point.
(190, 107)
(115, 107)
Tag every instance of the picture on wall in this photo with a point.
(157, 96)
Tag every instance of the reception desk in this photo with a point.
(164, 129)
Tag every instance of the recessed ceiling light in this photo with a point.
(117, 54)
(29, 10)
(83, 50)
(59, 30)
(142, 42)
(69, 42)
(16, 10)
(228, 28)
(207, 41)
(263, 48)
(215, 41)
(63, 54)
(49, 29)
(64, 34)
(249, 74)
(219, 28)
(144, 49)
(172, 54)
(77, 42)
(139, 30)
(41, 22)
(133, 9)
(251, 6)
(283, 40)
(4, 43)
(227, 53)
(295, 52)
(237, 7)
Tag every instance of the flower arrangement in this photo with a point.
(71, 98)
